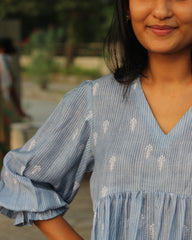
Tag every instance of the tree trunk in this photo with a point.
(70, 53)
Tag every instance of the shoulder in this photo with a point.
(98, 86)
(106, 81)
(105, 88)
(106, 85)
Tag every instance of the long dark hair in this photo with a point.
(124, 55)
(7, 44)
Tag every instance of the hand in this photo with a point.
(24, 115)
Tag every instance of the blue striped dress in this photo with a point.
(141, 183)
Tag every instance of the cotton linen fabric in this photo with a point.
(141, 183)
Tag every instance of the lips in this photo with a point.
(161, 30)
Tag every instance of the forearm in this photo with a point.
(57, 229)
(16, 102)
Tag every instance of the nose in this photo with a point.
(162, 9)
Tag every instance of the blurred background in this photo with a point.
(58, 45)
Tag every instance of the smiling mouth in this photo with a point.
(162, 30)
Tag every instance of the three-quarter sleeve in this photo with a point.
(39, 180)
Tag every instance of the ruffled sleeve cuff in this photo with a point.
(27, 218)
(35, 203)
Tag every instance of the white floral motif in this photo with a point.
(6, 173)
(161, 161)
(104, 191)
(15, 180)
(112, 163)
(148, 150)
(102, 227)
(142, 221)
(186, 228)
(32, 145)
(95, 135)
(186, 231)
(75, 134)
(76, 186)
(81, 148)
(172, 195)
(135, 85)
(133, 124)
(105, 126)
(95, 88)
(89, 116)
(36, 169)
(58, 199)
(22, 169)
(152, 231)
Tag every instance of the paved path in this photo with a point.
(39, 103)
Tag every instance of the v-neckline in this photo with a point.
(150, 119)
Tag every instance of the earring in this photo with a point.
(128, 16)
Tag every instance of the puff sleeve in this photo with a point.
(39, 180)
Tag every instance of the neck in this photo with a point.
(169, 69)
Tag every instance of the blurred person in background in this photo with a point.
(137, 143)
(9, 100)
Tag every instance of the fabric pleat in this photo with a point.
(126, 215)
(140, 185)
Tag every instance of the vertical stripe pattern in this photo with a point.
(141, 184)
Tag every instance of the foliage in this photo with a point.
(43, 39)
(32, 7)
(41, 45)
(80, 71)
(83, 20)
(39, 68)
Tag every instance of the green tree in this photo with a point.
(32, 14)
(83, 21)
(42, 46)
(31, 8)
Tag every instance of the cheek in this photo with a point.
(139, 18)
(138, 22)
(137, 28)
(140, 33)
(139, 10)
(186, 25)
(184, 14)
(137, 15)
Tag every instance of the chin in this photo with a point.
(161, 50)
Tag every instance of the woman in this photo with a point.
(136, 142)
(10, 103)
